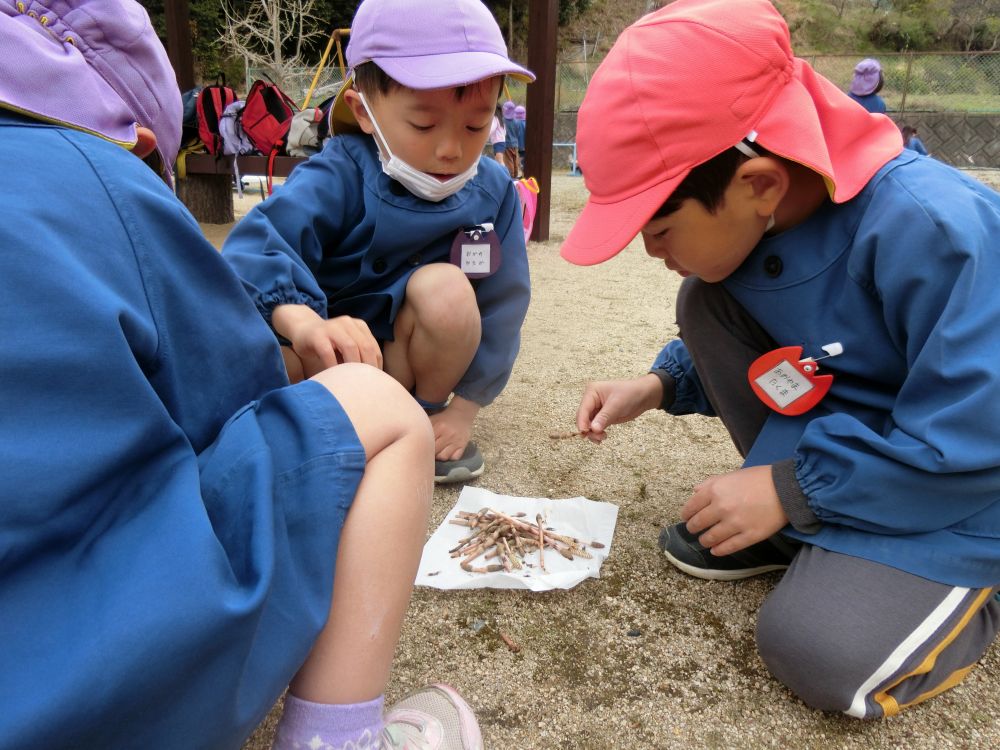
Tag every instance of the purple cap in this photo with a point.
(867, 74)
(432, 45)
(508, 109)
(94, 65)
(520, 113)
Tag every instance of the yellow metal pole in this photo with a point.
(334, 37)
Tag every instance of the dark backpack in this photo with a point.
(212, 102)
(189, 99)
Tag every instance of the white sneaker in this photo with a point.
(433, 718)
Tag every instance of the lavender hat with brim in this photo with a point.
(867, 74)
(93, 65)
(422, 46)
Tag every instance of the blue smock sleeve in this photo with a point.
(935, 461)
(690, 396)
(503, 302)
(277, 248)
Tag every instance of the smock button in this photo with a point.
(772, 266)
(379, 265)
(413, 260)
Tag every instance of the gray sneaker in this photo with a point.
(469, 466)
(685, 552)
(434, 718)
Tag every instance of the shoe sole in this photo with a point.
(459, 474)
(709, 574)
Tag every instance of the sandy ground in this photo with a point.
(645, 656)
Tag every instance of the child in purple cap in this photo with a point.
(179, 539)
(510, 155)
(867, 82)
(521, 119)
(399, 244)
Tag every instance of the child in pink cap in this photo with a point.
(810, 241)
(180, 539)
(399, 244)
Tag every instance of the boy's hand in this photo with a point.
(608, 402)
(453, 428)
(321, 343)
(732, 511)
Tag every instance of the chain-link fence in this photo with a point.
(924, 82)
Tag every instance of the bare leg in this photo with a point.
(437, 333)
(380, 544)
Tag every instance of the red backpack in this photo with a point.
(212, 102)
(266, 119)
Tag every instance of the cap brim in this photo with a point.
(454, 69)
(604, 229)
(425, 73)
(341, 119)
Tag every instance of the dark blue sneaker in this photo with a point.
(469, 466)
(683, 550)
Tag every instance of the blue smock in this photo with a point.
(343, 238)
(171, 508)
(872, 102)
(900, 462)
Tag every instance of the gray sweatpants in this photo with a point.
(845, 634)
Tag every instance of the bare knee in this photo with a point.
(441, 297)
(380, 409)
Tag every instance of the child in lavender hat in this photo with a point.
(398, 245)
(179, 539)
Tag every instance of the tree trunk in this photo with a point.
(209, 197)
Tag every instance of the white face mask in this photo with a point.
(419, 183)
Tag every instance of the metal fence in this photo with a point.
(924, 82)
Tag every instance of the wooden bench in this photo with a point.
(207, 188)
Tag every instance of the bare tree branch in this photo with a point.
(267, 30)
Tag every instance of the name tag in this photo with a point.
(787, 383)
(476, 250)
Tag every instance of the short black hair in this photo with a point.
(370, 79)
(707, 182)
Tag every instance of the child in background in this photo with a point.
(799, 221)
(181, 538)
(912, 141)
(520, 118)
(400, 244)
(498, 138)
(510, 127)
(867, 82)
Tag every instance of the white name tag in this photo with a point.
(784, 383)
(475, 258)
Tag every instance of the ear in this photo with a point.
(145, 142)
(353, 101)
(766, 182)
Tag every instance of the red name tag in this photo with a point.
(786, 383)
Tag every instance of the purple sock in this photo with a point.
(322, 726)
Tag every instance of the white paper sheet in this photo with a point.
(586, 520)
